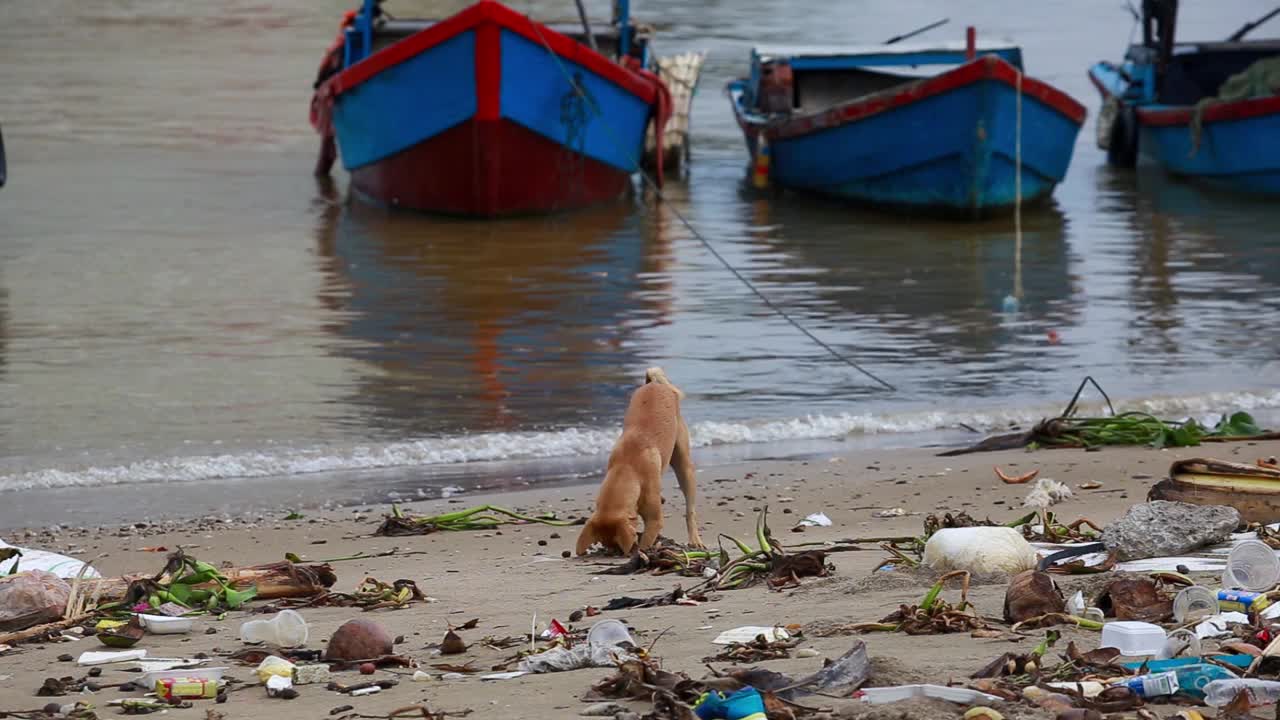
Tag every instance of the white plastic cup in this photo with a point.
(286, 629)
(1193, 603)
(607, 634)
(1252, 565)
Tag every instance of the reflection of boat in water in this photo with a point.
(944, 283)
(464, 329)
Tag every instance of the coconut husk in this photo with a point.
(1135, 599)
(1032, 594)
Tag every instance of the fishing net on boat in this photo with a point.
(1261, 79)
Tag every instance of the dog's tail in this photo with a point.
(656, 375)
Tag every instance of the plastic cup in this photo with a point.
(286, 629)
(1194, 602)
(1252, 565)
(608, 633)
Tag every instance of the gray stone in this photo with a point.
(602, 709)
(1162, 528)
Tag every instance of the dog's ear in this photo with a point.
(586, 539)
(656, 375)
(625, 537)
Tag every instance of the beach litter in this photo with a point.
(371, 594)
(30, 598)
(1068, 430)
(815, 520)
(932, 615)
(481, 517)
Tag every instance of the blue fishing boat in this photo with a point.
(1204, 110)
(487, 112)
(863, 124)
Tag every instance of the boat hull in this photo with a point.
(947, 144)
(488, 114)
(1229, 144)
(1253, 491)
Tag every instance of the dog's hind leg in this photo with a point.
(682, 463)
(649, 504)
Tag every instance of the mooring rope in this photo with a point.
(1017, 189)
(694, 231)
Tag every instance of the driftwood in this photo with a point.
(38, 631)
(274, 581)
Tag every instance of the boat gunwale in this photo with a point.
(1175, 115)
(988, 67)
(482, 13)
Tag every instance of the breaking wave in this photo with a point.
(515, 446)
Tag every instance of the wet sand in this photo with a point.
(504, 578)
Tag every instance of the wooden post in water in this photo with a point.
(970, 43)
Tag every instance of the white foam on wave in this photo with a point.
(486, 447)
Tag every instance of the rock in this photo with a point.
(1162, 528)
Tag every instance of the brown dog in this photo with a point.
(654, 435)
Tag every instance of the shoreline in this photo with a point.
(504, 577)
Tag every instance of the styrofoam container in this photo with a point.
(1133, 638)
(964, 696)
(165, 625)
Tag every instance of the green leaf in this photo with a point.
(236, 598)
(181, 593)
(294, 515)
(293, 558)
(1238, 424)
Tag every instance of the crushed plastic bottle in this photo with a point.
(1152, 685)
(1261, 692)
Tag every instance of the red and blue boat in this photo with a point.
(864, 125)
(1208, 111)
(487, 113)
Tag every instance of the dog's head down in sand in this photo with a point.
(654, 435)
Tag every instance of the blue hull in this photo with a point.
(1234, 145)
(952, 151)
(1240, 155)
(488, 113)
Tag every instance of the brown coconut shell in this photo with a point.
(1031, 594)
(359, 640)
(1136, 599)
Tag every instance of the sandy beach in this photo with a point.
(504, 578)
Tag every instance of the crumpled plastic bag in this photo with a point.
(979, 550)
(559, 659)
(31, 598)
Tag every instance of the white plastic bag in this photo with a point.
(60, 565)
(979, 550)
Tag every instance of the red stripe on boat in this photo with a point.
(490, 12)
(1183, 115)
(988, 67)
(488, 72)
